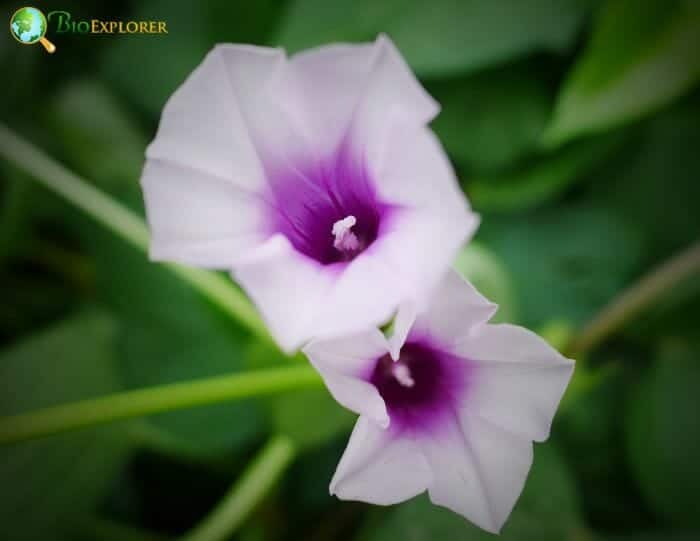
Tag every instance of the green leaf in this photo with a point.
(47, 483)
(98, 135)
(491, 119)
(642, 55)
(169, 334)
(543, 179)
(653, 186)
(547, 510)
(444, 37)
(489, 276)
(148, 68)
(566, 263)
(663, 435)
(310, 418)
(653, 536)
(18, 86)
(590, 428)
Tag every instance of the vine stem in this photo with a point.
(635, 299)
(122, 221)
(236, 505)
(142, 402)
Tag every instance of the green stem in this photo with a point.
(635, 299)
(123, 222)
(152, 400)
(246, 493)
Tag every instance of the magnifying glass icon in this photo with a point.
(28, 26)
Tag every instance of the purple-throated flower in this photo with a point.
(449, 404)
(315, 179)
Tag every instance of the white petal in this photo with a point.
(198, 219)
(366, 294)
(479, 471)
(455, 308)
(301, 299)
(413, 170)
(434, 220)
(202, 126)
(400, 267)
(357, 87)
(287, 287)
(271, 103)
(518, 381)
(379, 468)
(345, 364)
(403, 322)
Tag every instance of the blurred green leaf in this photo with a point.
(170, 333)
(98, 135)
(642, 55)
(310, 417)
(638, 189)
(23, 67)
(663, 434)
(590, 428)
(566, 263)
(444, 37)
(491, 119)
(547, 510)
(45, 484)
(677, 313)
(543, 179)
(489, 276)
(557, 333)
(147, 69)
(14, 200)
(654, 187)
(653, 536)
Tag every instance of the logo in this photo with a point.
(64, 23)
(28, 26)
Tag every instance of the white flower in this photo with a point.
(449, 404)
(315, 179)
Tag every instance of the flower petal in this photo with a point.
(413, 170)
(202, 126)
(345, 363)
(354, 87)
(270, 101)
(433, 219)
(455, 308)
(479, 471)
(196, 218)
(365, 294)
(379, 468)
(402, 324)
(288, 288)
(519, 379)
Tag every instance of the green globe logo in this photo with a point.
(28, 26)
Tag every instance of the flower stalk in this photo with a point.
(142, 402)
(236, 505)
(635, 299)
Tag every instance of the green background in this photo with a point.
(574, 126)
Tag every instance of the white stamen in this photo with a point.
(345, 240)
(402, 374)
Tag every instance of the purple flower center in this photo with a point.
(422, 387)
(328, 210)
